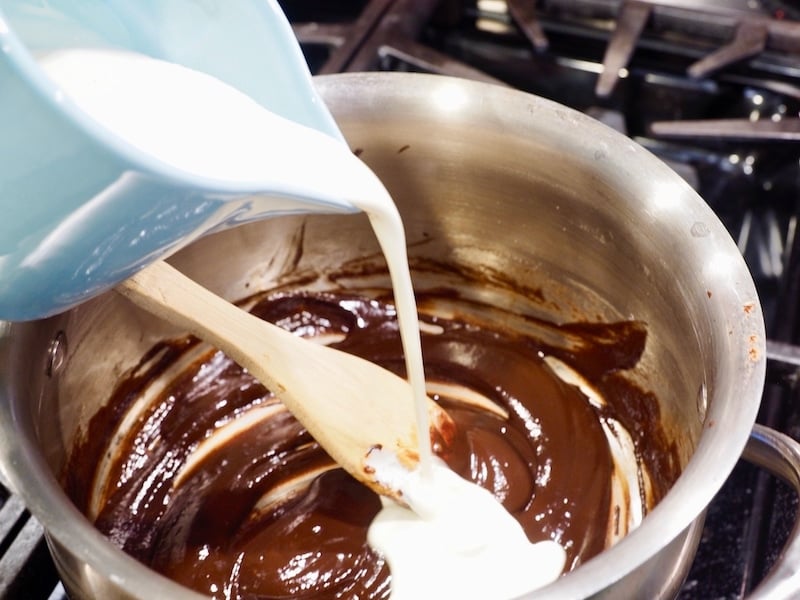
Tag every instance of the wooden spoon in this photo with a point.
(349, 405)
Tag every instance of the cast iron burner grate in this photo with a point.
(713, 91)
(26, 569)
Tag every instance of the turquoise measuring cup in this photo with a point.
(83, 210)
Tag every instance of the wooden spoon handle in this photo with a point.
(165, 292)
(348, 404)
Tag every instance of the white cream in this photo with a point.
(456, 540)
(185, 118)
(458, 532)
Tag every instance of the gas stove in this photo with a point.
(711, 87)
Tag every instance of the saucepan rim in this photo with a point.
(725, 431)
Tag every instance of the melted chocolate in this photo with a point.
(548, 463)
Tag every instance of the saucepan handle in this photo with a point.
(779, 454)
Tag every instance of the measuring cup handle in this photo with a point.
(780, 455)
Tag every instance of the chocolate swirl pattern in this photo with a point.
(196, 470)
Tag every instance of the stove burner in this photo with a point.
(26, 569)
(739, 30)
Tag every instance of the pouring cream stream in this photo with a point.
(200, 125)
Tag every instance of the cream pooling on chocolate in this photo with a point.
(115, 89)
(432, 532)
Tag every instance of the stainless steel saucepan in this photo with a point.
(506, 185)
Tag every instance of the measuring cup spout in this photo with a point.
(83, 210)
